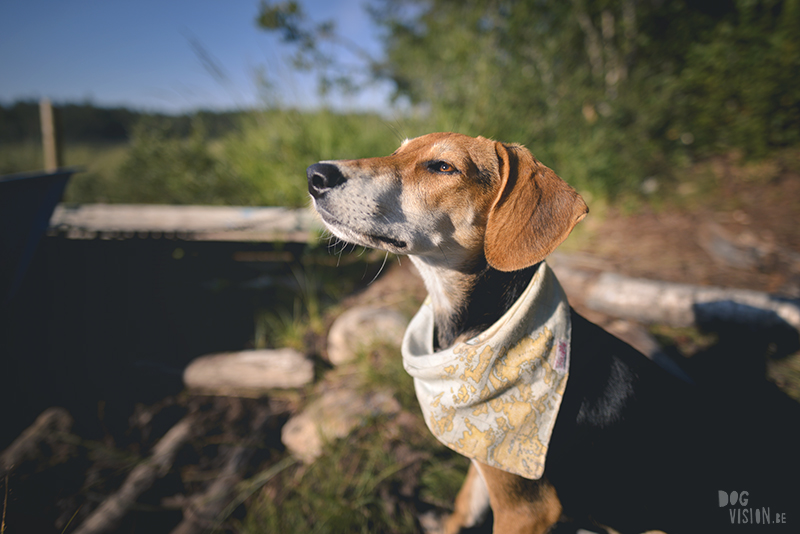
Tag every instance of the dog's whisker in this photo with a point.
(394, 129)
(386, 257)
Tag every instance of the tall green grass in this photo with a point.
(273, 148)
(262, 161)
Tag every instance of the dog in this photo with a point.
(565, 424)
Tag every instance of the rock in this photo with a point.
(358, 328)
(332, 416)
(249, 372)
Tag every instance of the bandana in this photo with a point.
(495, 397)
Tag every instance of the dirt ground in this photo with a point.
(742, 233)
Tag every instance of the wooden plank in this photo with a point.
(49, 145)
(199, 223)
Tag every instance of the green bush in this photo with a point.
(273, 148)
(164, 169)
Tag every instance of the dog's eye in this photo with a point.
(441, 166)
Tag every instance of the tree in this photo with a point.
(610, 92)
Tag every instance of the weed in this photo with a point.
(5, 507)
(785, 372)
(687, 341)
(380, 367)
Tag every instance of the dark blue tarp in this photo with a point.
(27, 202)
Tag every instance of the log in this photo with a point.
(249, 373)
(31, 444)
(108, 515)
(200, 223)
(649, 301)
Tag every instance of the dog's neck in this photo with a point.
(468, 299)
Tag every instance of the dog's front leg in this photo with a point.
(520, 505)
(472, 503)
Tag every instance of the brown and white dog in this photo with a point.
(632, 447)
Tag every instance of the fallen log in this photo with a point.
(248, 373)
(648, 301)
(590, 285)
(108, 515)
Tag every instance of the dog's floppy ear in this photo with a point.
(534, 211)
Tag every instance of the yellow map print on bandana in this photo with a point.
(495, 398)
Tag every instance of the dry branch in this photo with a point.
(202, 511)
(30, 444)
(107, 516)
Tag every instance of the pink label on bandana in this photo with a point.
(561, 358)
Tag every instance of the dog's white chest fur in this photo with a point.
(495, 398)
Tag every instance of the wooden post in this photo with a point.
(48, 135)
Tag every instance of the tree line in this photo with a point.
(88, 123)
(610, 92)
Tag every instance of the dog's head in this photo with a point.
(448, 198)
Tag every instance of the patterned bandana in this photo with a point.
(495, 397)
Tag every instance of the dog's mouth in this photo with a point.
(349, 234)
(389, 241)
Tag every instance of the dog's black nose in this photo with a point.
(322, 177)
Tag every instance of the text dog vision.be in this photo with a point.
(745, 515)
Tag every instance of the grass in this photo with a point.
(304, 300)
(686, 341)
(99, 164)
(93, 158)
(262, 161)
(284, 326)
(5, 506)
(376, 480)
(381, 368)
(785, 372)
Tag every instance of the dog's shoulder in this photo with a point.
(611, 382)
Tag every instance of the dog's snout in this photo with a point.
(322, 177)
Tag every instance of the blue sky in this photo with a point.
(138, 53)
